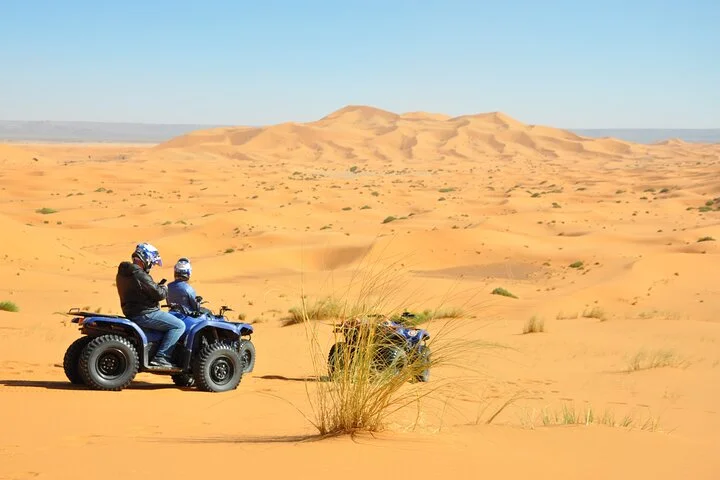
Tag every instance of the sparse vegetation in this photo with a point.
(322, 309)
(569, 415)
(706, 239)
(503, 292)
(645, 360)
(409, 318)
(534, 325)
(45, 211)
(389, 219)
(9, 307)
(446, 190)
(577, 264)
(229, 250)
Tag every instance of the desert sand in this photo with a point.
(269, 214)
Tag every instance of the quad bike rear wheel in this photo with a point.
(71, 361)
(423, 363)
(109, 362)
(247, 352)
(218, 368)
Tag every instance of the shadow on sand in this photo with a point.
(295, 379)
(60, 385)
(258, 439)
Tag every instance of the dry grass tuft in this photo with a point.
(595, 312)
(534, 325)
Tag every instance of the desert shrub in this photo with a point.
(9, 307)
(503, 292)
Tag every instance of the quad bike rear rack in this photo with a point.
(80, 313)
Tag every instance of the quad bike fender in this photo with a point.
(115, 325)
(245, 328)
(415, 336)
(221, 328)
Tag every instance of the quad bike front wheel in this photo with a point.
(247, 352)
(71, 361)
(108, 362)
(390, 360)
(218, 368)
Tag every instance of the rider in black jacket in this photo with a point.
(140, 297)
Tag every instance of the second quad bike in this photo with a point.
(392, 346)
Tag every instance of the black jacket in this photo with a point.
(139, 294)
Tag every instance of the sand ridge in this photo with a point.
(614, 245)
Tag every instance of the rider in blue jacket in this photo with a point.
(180, 292)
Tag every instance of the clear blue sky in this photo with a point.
(570, 64)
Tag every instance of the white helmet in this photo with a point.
(183, 269)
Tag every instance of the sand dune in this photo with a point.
(614, 245)
(372, 134)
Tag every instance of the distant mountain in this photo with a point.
(654, 135)
(38, 131)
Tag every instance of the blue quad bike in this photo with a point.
(213, 354)
(395, 345)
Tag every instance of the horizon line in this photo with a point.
(230, 125)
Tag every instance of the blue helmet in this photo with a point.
(148, 255)
(183, 269)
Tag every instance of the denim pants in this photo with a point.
(164, 322)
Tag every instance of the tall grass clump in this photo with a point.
(364, 376)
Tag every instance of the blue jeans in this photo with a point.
(164, 322)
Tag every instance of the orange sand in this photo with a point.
(481, 202)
